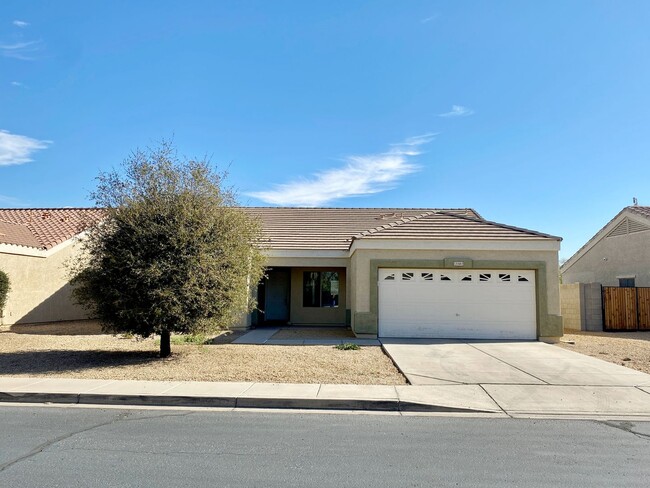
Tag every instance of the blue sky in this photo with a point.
(535, 114)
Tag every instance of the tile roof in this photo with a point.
(335, 228)
(640, 209)
(285, 227)
(44, 228)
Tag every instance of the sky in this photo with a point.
(536, 114)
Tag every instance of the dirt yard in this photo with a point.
(83, 352)
(631, 349)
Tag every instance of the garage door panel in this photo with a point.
(435, 303)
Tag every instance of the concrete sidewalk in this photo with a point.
(494, 399)
(464, 398)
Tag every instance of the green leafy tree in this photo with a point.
(4, 290)
(174, 253)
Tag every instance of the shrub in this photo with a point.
(347, 346)
(4, 290)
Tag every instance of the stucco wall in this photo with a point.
(40, 291)
(550, 321)
(611, 257)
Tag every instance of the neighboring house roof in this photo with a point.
(44, 228)
(619, 225)
(335, 228)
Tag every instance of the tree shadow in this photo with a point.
(61, 361)
(71, 327)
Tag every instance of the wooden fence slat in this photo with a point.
(620, 308)
(644, 308)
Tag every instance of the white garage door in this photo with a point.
(455, 303)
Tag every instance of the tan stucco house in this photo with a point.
(387, 272)
(618, 255)
(34, 246)
(394, 272)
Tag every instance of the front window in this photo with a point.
(320, 289)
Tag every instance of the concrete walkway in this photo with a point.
(264, 336)
(404, 398)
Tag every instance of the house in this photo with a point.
(34, 247)
(618, 256)
(395, 272)
(399, 272)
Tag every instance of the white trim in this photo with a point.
(305, 253)
(626, 276)
(457, 244)
(33, 251)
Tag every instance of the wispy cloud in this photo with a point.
(7, 201)
(25, 51)
(457, 111)
(20, 23)
(430, 18)
(17, 149)
(17, 83)
(361, 175)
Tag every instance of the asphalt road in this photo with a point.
(70, 447)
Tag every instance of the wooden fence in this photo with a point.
(626, 308)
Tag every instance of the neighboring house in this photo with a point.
(34, 245)
(391, 272)
(618, 255)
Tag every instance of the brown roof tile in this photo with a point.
(334, 228)
(439, 224)
(44, 228)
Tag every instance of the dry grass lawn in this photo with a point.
(631, 349)
(90, 354)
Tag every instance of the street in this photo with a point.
(86, 447)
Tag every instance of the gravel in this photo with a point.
(630, 349)
(103, 356)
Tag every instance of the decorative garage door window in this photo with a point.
(453, 276)
(320, 289)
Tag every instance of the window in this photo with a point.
(407, 276)
(484, 276)
(522, 278)
(504, 277)
(390, 277)
(444, 278)
(626, 282)
(467, 278)
(320, 289)
(427, 276)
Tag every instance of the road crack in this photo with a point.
(625, 427)
(122, 417)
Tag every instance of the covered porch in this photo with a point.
(302, 296)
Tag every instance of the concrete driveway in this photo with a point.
(523, 377)
(444, 362)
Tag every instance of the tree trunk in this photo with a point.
(165, 343)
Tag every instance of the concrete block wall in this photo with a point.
(570, 306)
(581, 305)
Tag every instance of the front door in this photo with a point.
(276, 299)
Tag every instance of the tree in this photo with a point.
(174, 253)
(4, 291)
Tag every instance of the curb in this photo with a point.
(231, 402)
